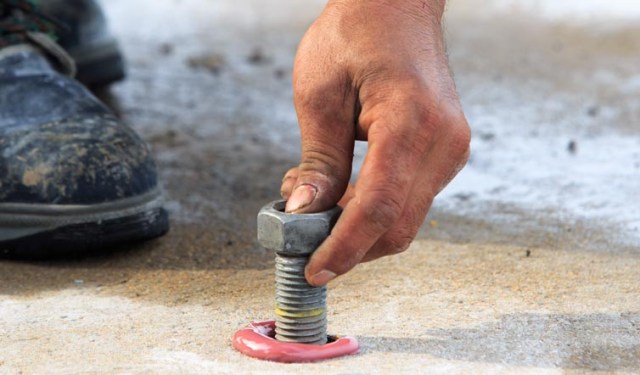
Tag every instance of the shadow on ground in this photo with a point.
(605, 342)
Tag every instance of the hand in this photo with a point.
(373, 70)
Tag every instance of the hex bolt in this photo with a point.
(300, 308)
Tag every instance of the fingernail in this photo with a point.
(322, 277)
(301, 197)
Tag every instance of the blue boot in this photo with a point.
(73, 178)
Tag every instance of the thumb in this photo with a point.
(328, 136)
(324, 170)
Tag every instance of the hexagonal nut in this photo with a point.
(294, 234)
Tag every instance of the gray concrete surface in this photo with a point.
(529, 262)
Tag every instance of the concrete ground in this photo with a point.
(528, 263)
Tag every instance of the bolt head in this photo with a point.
(294, 234)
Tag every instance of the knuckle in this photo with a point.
(317, 159)
(440, 115)
(457, 128)
(460, 140)
(427, 117)
(396, 244)
(451, 126)
(400, 245)
(401, 238)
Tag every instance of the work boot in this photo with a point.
(73, 178)
(85, 37)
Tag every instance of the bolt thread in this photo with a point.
(300, 308)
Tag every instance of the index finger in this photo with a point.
(397, 144)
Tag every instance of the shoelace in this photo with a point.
(20, 17)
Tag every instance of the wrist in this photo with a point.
(427, 10)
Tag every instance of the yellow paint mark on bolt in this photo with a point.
(300, 314)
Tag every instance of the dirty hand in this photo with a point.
(373, 70)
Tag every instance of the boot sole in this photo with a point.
(99, 64)
(46, 231)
